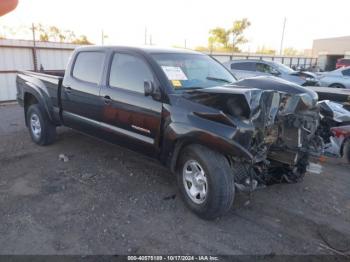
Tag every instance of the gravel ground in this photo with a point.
(109, 200)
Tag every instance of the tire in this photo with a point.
(41, 130)
(214, 178)
(346, 151)
(337, 86)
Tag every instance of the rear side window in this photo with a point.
(346, 72)
(129, 72)
(88, 66)
(247, 66)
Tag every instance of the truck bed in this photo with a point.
(45, 86)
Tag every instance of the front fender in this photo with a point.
(179, 135)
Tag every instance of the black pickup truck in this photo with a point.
(183, 108)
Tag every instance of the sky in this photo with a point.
(171, 22)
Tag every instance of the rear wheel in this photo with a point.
(337, 85)
(42, 131)
(206, 181)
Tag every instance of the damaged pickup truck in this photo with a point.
(185, 109)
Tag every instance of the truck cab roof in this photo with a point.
(140, 49)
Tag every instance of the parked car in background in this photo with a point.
(253, 67)
(342, 62)
(339, 78)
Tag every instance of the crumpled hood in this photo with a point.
(245, 98)
(235, 103)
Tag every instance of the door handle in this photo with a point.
(68, 89)
(107, 99)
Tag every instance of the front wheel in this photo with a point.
(206, 181)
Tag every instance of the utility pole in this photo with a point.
(282, 38)
(146, 35)
(150, 39)
(185, 43)
(35, 61)
(103, 37)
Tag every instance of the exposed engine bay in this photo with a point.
(278, 127)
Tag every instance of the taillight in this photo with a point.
(341, 131)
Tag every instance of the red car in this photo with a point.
(342, 62)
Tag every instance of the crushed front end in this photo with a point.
(278, 129)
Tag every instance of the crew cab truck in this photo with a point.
(183, 108)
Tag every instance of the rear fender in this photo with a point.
(41, 96)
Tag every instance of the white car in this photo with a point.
(339, 78)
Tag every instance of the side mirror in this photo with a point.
(148, 88)
(151, 90)
(275, 72)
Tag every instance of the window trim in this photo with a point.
(110, 62)
(102, 66)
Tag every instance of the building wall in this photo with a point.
(16, 55)
(331, 46)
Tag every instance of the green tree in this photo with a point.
(43, 33)
(237, 31)
(82, 40)
(220, 37)
(53, 33)
(290, 51)
(266, 51)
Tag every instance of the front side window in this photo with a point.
(192, 71)
(88, 66)
(264, 68)
(129, 72)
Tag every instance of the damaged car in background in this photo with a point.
(334, 129)
(185, 109)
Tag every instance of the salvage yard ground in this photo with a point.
(109, 200)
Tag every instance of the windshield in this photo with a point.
(283, 68)
(192, 71)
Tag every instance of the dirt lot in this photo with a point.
(108, 200)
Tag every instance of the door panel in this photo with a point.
(80, 92)
(131, 118)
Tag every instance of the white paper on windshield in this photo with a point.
(174, 73)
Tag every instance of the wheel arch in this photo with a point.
(336, 84)
(31, 97)
(219, 145)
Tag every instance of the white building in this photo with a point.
(16, 55)
(329, 50)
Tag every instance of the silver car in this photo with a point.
(246, 68)
(339, 78)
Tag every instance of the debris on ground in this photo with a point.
(87, 175)
(63, 158)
